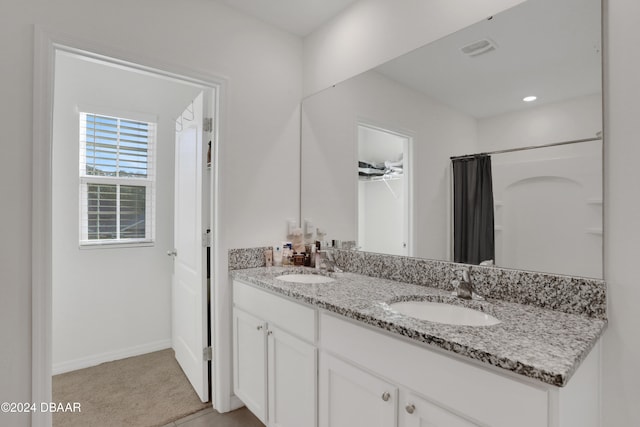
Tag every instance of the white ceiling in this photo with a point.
(299, 17)
(547, 48)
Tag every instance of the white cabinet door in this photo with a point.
(351, 397)
(249, 367)
(418, 412)
(292, 380)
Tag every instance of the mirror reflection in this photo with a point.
(377, 149)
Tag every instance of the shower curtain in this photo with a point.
(473, 226)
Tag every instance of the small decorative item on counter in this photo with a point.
(320, 234)
(307, 255)
(309, 230)
(321, 245)
(277, 255)
(287, 254)
(297, 240)
(268, 257)
(298, 259)
(349, 245)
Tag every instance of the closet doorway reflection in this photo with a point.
(384, 219)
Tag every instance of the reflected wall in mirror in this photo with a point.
(462, 95)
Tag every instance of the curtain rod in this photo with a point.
(531, 147)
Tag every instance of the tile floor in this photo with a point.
(212, 418)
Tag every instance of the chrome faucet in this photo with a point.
(463, 287)
(327, 262)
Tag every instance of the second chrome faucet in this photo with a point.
(463, 287)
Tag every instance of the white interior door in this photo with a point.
(384, 201)
(189, 285)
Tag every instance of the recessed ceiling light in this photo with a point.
(529, 98)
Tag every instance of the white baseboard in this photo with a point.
(86, 362)
(235, 403)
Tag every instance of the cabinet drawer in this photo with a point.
(481, 394)
(290, 316)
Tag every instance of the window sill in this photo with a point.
(116, 244)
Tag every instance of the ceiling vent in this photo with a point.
(479, 47)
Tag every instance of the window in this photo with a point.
(117, 180)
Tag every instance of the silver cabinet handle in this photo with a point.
(269, 332)
(410, 408)
(386, 396)
(172, 253)
(259, 327)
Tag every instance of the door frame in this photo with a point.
(409, 188)
(46, 43)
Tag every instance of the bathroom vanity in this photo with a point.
(338, 354)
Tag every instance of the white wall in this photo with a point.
(329, 154)
(578, 118)
(259, 145)
(621, 378)
(110, 303)
(371, 32)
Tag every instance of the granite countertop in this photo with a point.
(538, 343)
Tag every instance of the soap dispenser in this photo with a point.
(277, 255)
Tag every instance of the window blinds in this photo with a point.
(116, 147)
(117, 177)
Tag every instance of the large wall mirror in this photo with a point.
(377, 149)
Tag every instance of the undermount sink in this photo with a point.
(444, 313)
(305, 278)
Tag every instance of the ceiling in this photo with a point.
(300, 17)
(545, 48)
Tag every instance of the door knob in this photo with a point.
(386, 396)
(410, 408)
(172, 253)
